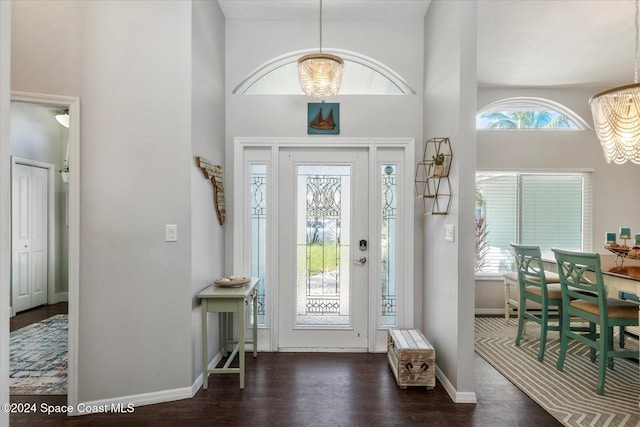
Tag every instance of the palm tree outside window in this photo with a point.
(528, 113)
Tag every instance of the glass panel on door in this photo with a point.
(323, 216)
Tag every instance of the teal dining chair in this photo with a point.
(584, 296)
(540, 286)
(623, 332)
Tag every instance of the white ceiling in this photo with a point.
(333, 10)
(521, 43)
(533, 43)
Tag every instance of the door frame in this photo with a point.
(73, 104)
(238, 242)
(51, 225)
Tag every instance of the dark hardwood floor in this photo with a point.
(311, 389)
(37, 314)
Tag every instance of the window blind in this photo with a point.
(544, 209)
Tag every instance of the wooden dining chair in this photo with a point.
(540, 286)
(584, 296)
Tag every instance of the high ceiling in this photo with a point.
(332, 9)
(521, 43)
(533, 43)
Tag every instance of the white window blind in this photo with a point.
(551, 210)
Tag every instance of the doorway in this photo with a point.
(323, 226)
(323, 295)
(72, 205)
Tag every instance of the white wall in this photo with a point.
(130, 63)
(615, 202)
(449, 104)
(207, 127)
(398, 43)
(252, 43)
(5, 202)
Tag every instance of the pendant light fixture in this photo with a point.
(616, 118)
(320, 74)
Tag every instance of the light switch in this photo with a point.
(450, 232)
(171, 233)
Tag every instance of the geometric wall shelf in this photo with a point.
(432, 176)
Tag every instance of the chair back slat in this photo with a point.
(581, 276)
(529, 265)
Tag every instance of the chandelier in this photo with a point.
(320, 74)
(616, 118)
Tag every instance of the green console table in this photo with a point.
(226, 301)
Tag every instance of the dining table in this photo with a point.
(618, 273)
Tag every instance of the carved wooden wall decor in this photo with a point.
(214, 173)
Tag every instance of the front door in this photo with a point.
(323, 244)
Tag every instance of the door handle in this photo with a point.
(362, 260)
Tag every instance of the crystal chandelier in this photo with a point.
(320, 74)
(616, 118)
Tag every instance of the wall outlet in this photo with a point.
(449, 232)
(171, 233)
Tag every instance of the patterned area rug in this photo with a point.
(570, 396)
(38, 358)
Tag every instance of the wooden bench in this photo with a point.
(411, 358)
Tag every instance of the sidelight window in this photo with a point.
(258, 232)
(389, 174)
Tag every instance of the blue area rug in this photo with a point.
(38, 358)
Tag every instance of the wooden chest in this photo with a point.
(411, 358)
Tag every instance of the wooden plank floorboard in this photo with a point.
(318, 389)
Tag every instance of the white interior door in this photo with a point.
(323, 270)
(29, 236)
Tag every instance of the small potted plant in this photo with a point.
(438, 161)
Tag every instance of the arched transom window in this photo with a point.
(362, 75)
(528, 113)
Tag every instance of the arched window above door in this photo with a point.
(362, 75)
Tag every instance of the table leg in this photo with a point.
(255, 323)
(241, 326)
(507, 296)
(205, 361)
(224, 332)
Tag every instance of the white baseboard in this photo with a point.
(127, 404)
(457, 397)
(60, 297)
(198, 382)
